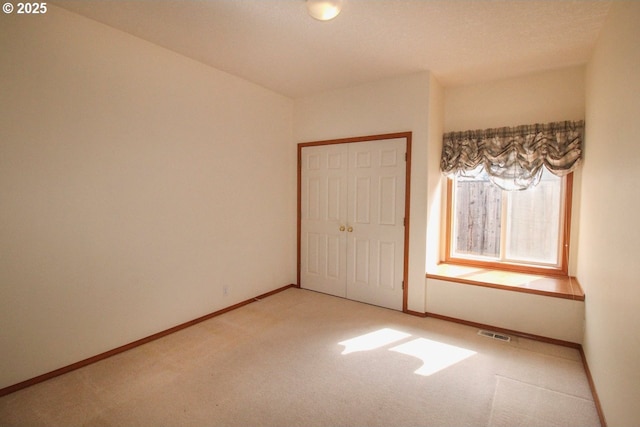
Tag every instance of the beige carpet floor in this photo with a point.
(299, 358)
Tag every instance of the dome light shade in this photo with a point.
(324, 10)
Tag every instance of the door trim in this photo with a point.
(407, 198)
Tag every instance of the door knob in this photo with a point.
(350, 229)
(341, 228)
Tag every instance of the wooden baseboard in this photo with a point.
(506, 331)
(415, 313)
(40, 378)
(592, 386)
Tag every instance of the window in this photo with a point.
(509, 195)
(526, 230)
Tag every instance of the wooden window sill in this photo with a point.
(554, 286)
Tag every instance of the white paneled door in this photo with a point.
(352, 220)
(323, 238)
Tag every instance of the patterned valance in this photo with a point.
(513, 157)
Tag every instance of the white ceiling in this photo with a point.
(276, 44)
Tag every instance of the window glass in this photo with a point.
(478, 216)
(518, 227)
(533, 223)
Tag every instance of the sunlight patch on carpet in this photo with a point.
(373, 340)
(435, 356)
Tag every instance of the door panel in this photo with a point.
(323, 212)
(335, 196)
(388, 210)
(362, 205)
(376, 215)
(334, 260)
(313, 253)
(387, 251)
(313, 198)
(360, 248)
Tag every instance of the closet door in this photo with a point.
(352, 220)
(323, 237)
(375, 218)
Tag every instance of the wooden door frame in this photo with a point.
(407, 198)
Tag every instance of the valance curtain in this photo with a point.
(513, 157)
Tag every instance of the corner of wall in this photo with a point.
(434, 178)
(607, 264)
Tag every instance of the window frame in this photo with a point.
(565, 236)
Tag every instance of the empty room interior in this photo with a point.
(346, 212)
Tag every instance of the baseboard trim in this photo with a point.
(60, 371)
(506, 331)
(592, 386)
(415, 313)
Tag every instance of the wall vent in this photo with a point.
(494, 335)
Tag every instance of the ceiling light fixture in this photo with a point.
(324, 10)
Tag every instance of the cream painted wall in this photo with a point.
(608, 265)
(134, 185)
(392, 105)
(539, 98)
(511, 310)
(435, 180)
